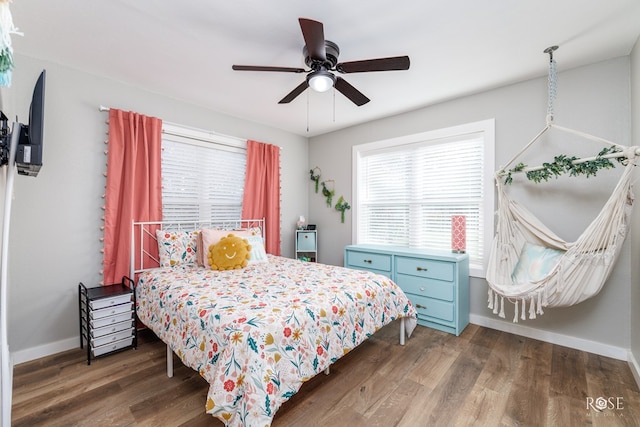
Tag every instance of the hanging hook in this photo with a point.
(550, 51)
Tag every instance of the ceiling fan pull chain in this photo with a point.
(334, 105)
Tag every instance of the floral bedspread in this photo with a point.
(258, 333)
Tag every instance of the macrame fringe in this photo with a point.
(539, 311)
(532, 308)
(536, 300)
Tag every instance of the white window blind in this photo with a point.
(407, 191)
(202, 176)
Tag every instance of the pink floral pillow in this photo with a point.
(177, 247)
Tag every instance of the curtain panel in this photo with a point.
(134, 187)
(262, 191)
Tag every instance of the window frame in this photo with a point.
(486, 128)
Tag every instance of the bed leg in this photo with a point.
(402, 320)
(169, 361)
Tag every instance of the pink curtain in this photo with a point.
(134, 188)
(262, 191)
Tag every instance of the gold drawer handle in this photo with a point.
(368, 261)
(421, 269)
(421, 306)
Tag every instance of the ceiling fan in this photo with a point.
(321, 56)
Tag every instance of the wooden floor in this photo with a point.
(484, 377)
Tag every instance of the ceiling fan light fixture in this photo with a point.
(321, 80)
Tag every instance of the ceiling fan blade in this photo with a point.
(313, 33)
(350, 92)
(260, 68)
(379, 64)
(294, 93)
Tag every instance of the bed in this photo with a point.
(256, 333)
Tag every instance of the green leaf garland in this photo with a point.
(562, 164)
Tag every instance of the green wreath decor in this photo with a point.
(342, 206)
(314, 177)
(327, 193)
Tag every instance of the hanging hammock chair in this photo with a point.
(531, 267)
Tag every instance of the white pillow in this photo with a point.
(258, 253)
(535, 263)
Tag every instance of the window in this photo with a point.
(406, 190)
(202, 175)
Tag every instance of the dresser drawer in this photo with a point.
(433, 308)
(99, 351)
(110, 329)
(426, 287)
(111, 338)
(108, 302)
(368, 261)
(104, 312)
(433, 269)
(110, 320)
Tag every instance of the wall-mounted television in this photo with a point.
(29, 150)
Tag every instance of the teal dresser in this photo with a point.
(436, 282)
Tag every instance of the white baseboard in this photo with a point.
(553, 338)
(635, 368)
(33, 353)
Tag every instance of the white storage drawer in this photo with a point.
(97, 342)
(116, 327)
(108, 302)
(106, 321)
(118, 345)
(108, 311)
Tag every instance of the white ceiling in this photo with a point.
(185, 49)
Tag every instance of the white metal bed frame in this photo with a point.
(143, 229)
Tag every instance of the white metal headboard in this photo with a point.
(143, 237)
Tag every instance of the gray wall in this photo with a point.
(594, 99)
(54, 237)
